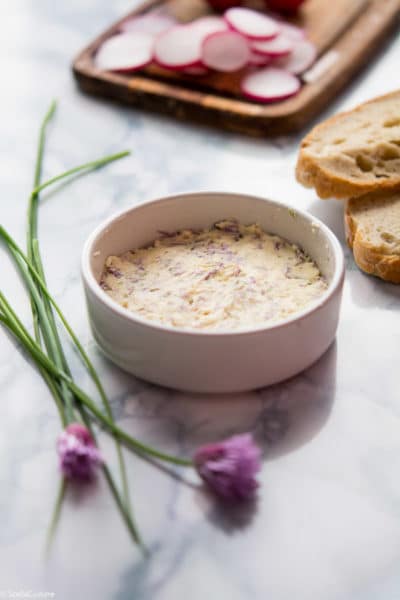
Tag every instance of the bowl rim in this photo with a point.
(90, 280)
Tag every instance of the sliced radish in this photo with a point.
(301, 58)
(251, 23)
(225, 51)
(208, 25)
(154, 23)
(258, 60)
(125, 52)
(292, 31)
(270, 85)
(279, 46)
(179, 47)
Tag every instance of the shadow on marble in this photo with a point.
(232, 518)
(368, 291)
(292, 414)
(83, 492)
(282, 417)
(330, 212)
(295, 411)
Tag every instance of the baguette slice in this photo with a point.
(354, 153)
(373, 232)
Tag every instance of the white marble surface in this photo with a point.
(327, 523)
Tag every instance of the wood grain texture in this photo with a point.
(353, 29)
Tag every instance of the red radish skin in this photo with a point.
(252, 24)
(199, 71)
(279, 46)
(301, 58)
(178, 48)
(152, 23)
(258, 60)
(125, 52)
(270, 85)
(225, 51)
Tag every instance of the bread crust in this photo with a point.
(368, 258)
(328, 184)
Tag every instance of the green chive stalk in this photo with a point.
(36, 260)
(45, 328)
(52, 364)
(10, 320)
(62, 487)
(44, 325)
(16, 327)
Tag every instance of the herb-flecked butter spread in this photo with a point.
(228, 277)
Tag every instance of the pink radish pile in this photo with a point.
(274, 53)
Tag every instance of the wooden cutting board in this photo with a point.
(347, 34)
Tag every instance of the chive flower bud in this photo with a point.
(229, 467)
(79, 457)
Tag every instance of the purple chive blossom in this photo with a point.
(211, 274)
(78, 453)
(300, 256)
(229, 467)
(114, 271)
(138, 262)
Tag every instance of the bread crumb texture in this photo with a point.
(355, 152)
(373, 232)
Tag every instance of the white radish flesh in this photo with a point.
(225, 51)
(125, 52)
(293, 32)
(300, 59)
(179, 47)
(251, 23)
(205, 26)
(279, 46)
(270, 85)
(152, 23)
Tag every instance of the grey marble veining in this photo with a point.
(326, 525)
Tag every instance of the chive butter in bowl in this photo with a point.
(226, 277)
(213, 292)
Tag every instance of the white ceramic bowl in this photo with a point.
(207, 361)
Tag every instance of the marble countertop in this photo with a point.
(327, 522)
